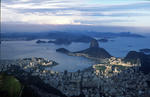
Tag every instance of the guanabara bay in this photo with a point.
(75, 48)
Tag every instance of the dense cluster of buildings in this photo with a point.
(103, 80)
(113, 66)
(129, 83)
(119, 61)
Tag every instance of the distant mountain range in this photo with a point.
(67, 36)
(111, 34)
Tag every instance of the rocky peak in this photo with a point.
(94, 43)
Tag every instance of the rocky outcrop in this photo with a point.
(94, 44)
(135, 57)
(40, 41)
(63, 50)
(94, 51)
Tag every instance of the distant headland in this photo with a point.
(94, 51)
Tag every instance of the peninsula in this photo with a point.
(94, 51)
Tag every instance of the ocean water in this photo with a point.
(117, 47)
(24, 49)
(120, 46)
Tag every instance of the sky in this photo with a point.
(124, 13)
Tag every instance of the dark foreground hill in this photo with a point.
(135, 57)
(27, 85)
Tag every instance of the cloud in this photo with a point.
(36, 18)
(87, 12)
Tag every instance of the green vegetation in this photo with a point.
(101, 68)
(9, 86)
(120, 67)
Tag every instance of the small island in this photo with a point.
(145, 50)
(59, 41)
(103, 40)
(40, 41)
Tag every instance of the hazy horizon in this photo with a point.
(68, 15)
(17, 27)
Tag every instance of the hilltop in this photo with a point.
(140, 57)
(94, 51)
